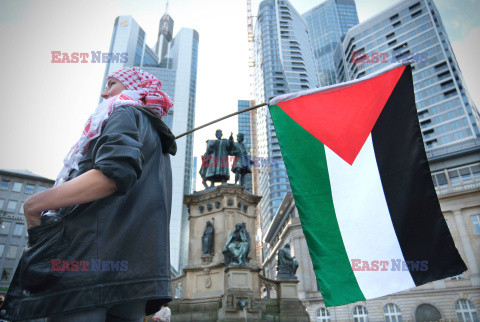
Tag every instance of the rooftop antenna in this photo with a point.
(166, 8)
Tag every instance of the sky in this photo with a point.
(45, 105)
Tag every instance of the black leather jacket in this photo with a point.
(112, 250)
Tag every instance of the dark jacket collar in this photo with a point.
(166, 135)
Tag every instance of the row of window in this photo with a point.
(9, 252)
(447, 105)
(5, 226)
(11, 206)
(18, 187)
(456, 176)
(464, 309)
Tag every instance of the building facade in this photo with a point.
(452, 299)
(244, 126)
(327, 25)
(15, 187)
(413, 30)
(174, 63)
(284, 63)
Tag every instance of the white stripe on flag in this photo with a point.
(365, 222)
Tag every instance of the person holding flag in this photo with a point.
(109, 210)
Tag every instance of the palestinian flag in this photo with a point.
(362, 186)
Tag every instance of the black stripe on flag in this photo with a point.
(419, 224)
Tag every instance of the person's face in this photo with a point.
(239, 138)
(114, 87)
(218, 134)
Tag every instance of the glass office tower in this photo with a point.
(327, 25)
(245, 128)
(174, 63)
(413, 30)
(284, 63)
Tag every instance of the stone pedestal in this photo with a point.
(208, 290)
(288, 289)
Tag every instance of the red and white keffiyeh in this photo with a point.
(143, 89)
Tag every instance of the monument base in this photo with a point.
(208, 290)
(283, 310)
(230, 295)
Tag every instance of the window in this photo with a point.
(2, 203)
(476, 223)
(2, 248)
(12, 251)
(41, 188)
(29, 189)
(5, 227)
(12, 206)
(6, 274)
(392, 313)
(360, 314)
(457, 277)
(427, 312)
(17, 186)
(20, 211)
(322, 315)
(466, 311)
(5, 185)
(18, 230)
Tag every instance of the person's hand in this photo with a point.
(32, 215)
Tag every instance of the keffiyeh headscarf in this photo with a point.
(143, 89)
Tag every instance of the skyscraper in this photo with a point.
(245, 128)
(327, 25)
(174, 63)
(284, 63)
(413, 29)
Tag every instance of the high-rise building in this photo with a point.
(413, 29)
(284, 63)
(244, 127)
(327, 25)
(194, 175)
(165, 34)
(15, 187)
(174, 63)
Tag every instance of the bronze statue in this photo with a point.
(241, 165)
(286, 264)
(207, 239)
(215, 161)
(237, 247)
(247, 237)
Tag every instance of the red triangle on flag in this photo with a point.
(343, 117)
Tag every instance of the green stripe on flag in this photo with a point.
(306, 165)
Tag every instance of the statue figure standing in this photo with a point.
(286, 264)
(207, 239)
(215, 161)
(241, 165)
(237, 247)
